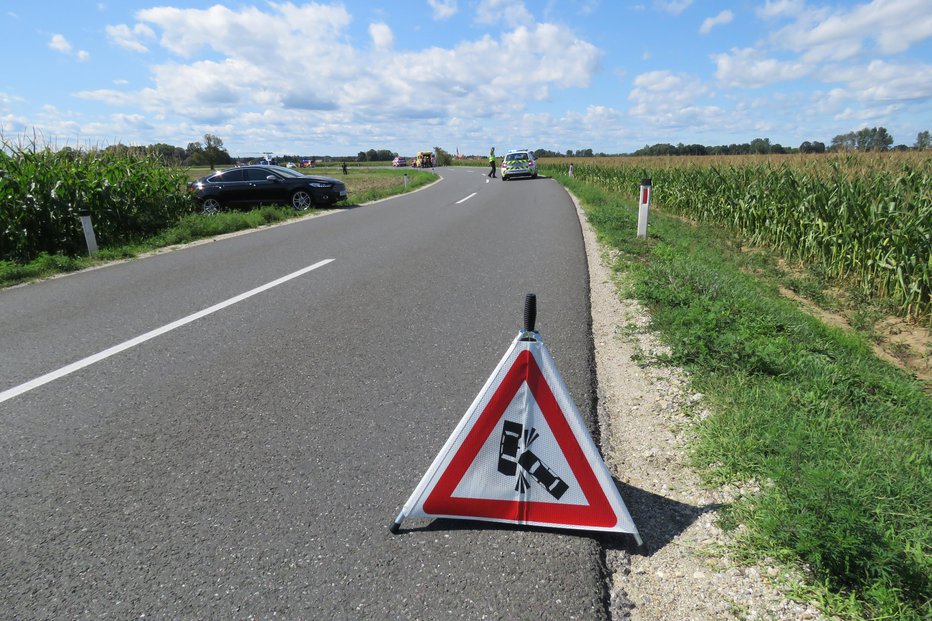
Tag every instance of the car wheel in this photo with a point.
(211, 205)
(301, 200)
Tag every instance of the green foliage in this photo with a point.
(42, 193)
(444, 158)
(840, 441)
(854, 218)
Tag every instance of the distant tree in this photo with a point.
(583, 152)
(923, 141)
(760, 145)
(214, 153)
(361, 156)
(442, 158)
(194, 154)
(166, 153)
(569, 153)
(844, 142)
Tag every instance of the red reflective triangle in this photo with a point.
(598, 513)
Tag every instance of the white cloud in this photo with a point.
(129, 38)
(286, 31)
(509, 12)
(881, 81)
(60, 44)
(255, 55)
(443, 9)
(669, 100)
(780, 8)
(673, 7)
(382, 36)
(749, 68)
(725, 17)
(892, 25)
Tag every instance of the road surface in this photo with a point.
(220, 455)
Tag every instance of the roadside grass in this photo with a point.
(839, 442)
(362, 187)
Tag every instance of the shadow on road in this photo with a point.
(659, 521)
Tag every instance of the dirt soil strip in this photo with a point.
(645, 415)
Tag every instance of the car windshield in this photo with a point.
(516, 157)
(284, 172)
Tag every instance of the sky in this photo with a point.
(336, 78)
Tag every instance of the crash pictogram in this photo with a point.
(516, 440)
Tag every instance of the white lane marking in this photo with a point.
(86, 362)
(463, 200)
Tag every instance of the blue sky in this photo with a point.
(336, 78)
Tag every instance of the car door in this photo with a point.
(262, 190)
(230, 186)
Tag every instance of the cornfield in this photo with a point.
(858, 217)
(43, 192)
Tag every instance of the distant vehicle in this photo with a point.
(268, 185)
(519, 163)
(290, 165)
(423, 159)
(399, 161)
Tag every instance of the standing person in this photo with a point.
(492, 163)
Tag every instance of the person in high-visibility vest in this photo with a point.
(492, 163)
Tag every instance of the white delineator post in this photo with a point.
(89, 236)
(643, 208)
(406, 182)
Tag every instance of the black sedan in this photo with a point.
(268, 185)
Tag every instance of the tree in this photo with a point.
(361, 156)
(443, 158)
(194, 154)
(760, 145)
(214, 153)
(923, 141)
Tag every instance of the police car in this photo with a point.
(519, 163)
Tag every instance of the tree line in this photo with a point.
(867, 139)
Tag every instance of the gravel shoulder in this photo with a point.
(646, 413)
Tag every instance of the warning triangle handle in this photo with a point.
(530, 312)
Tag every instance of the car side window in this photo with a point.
(254, 174)
(227, 176)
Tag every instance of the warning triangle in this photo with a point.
(522, 454)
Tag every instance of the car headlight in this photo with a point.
(318, 184)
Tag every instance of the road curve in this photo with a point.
(247, 462)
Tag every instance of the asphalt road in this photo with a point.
(247, 463)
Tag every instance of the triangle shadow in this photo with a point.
(659, 520)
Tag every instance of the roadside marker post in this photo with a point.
(89, 236)
(643, 208)
(522, 453)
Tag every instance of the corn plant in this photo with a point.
(867, 219)
(43, 191)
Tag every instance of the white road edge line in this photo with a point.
(86, 362)
(463, 200)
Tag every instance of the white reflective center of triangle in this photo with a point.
(545, 467)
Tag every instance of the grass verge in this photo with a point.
(840, 441)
